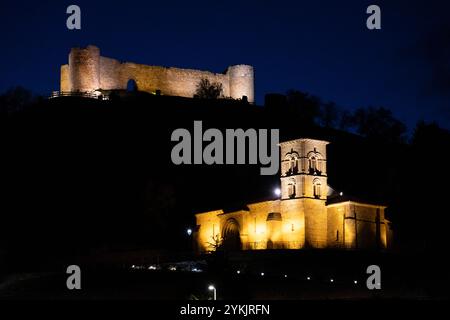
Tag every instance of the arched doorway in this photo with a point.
(231, 236)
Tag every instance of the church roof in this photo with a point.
(340, 198)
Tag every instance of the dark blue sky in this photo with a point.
(322, 47)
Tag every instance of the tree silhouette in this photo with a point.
(376, 124)
(216, 244)
(329, 115)
(208, 90)
(305, 106)
(16, 99)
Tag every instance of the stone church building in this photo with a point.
(308, 213)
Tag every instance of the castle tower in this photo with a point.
(84, 69)
(241, 82)
(304, 192)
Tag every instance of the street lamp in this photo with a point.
(189, 231)
(212, 288)
(277, 191)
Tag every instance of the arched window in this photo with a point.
(291, 188)
(292, 159)
(316, 188)
(313, 164)
(294, 165)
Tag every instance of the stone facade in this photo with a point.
(305, 216)
(88, 71)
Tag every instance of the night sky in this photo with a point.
(321, 47)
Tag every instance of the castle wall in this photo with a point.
(84, 69)
(170, 81)
(110, 74)
(65, 78)
(241, 82)
(88, 71)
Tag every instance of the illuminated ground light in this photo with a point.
(262, 274)
(355, 282)
(285, 275)
(189, 231)
(238, 272)
(308, 278)
(277, 191)
(332, 280)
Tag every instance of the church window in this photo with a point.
(292, 162)
(312, 164)
(316, 189)
(292, 165)
(291, 188)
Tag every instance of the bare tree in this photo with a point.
(209, 90)
(216, 243)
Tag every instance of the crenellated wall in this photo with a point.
(88, 71)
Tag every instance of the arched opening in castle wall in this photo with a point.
(132, 85)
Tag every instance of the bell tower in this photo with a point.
(304, 190)
(304, 169)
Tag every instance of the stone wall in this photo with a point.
(88, 71)
(315, 223)
(208, 227)
(335, 226)
(357, 225)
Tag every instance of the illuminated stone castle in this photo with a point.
(309, 214)
(89, 72)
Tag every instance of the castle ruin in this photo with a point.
(88, 71)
